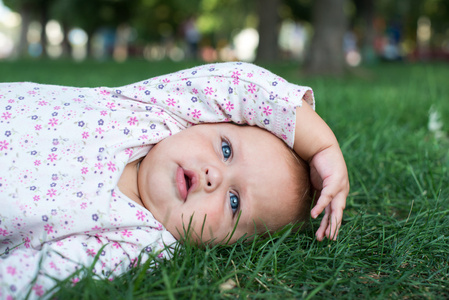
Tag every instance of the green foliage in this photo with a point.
(394, 240)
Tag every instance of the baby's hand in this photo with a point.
(329, 177)
(316, 143)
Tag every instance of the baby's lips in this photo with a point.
(181, 183)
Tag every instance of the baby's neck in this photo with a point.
(127, 183)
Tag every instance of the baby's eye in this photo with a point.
(226, 149)
(235, 202)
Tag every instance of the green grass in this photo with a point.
(394, 242)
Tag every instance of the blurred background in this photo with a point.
(326, 35)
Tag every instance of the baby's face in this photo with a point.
(210, 173)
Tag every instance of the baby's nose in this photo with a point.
(213, 178)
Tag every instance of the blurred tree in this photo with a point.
(268, 28)
(326, 55)
(91, 15)
(30, 10)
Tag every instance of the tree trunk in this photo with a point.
(326, 54)
(268, 29)
(44, 21)
(66, 47)
(25, 12)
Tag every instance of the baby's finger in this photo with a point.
(335, 220)
(321, 204)
(333, 228)
(320, 233)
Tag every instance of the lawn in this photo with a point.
(394, 242)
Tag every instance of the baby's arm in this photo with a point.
(316, 143)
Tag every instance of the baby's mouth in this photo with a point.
(186, 182)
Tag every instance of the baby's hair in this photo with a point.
(301, 195)
(301, 171)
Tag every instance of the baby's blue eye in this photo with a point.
(226, 149)
(235, 202)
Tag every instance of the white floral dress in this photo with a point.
(63, 149)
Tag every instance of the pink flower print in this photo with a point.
(166, 80)
(236, 81)
(3, 232)
(85, 135)
(160, 112)
(27, 242)
(110, 105)
(83, 205)
(99, 130)
(75, 280)
(153, 100)
(52, 157)
(38, 290)
(48, 228)
(99, 166)
(91, 252)
(38, 127)
(111, 166)
(229, 106)
(284, 136)
(116, 245)
(129, 151)
(267, 110)
(3, 145)
(132, 121)
(53, 266)
(126, 233)
(208, 91)
(104, 92)
(31, 93)
(250, 75)
(140, 215)
(195, 91)
(103, 113)
(141, 88)
(6, 115)
(170, 101)
(252, 88)
(196, 113)
(42, 103)
(51, 192)
(288, 125)
(235, 74)
(84, 170)
(37, 162)
(11, 270)
(57, 107)
(53, 122)
(249, 114)
(36, 198)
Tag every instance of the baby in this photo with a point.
(115, 174)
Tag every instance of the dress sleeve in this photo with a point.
(36, 272)
(236, 92)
